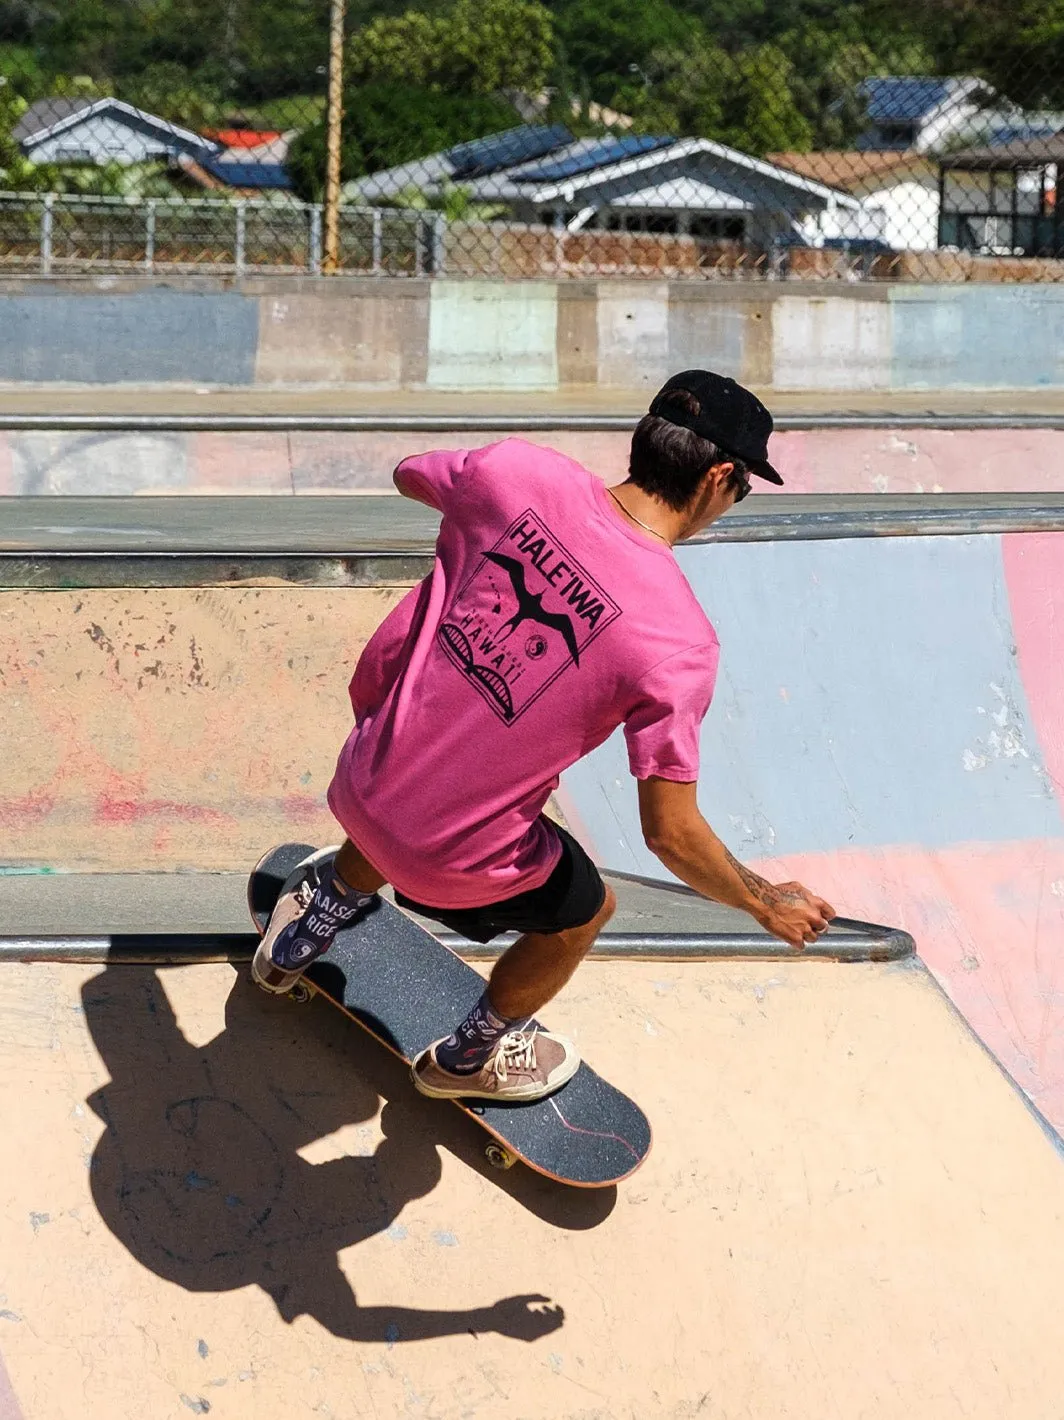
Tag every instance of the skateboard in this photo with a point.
(407, 989)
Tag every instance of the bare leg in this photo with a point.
(539, 964)
(351, 865)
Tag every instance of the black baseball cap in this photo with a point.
(728, 415)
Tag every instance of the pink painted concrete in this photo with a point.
(812, 461)
(921, 461)
(240, 463)
(1034, 573)
(988, 920)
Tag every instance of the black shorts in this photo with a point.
(570, 897)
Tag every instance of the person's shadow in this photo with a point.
(198, 1172)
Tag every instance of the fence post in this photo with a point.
(241, 236)
(315, 240)
(378, 240)
(439, 232)
(149, 237)
(46, 233)
(419, 237)
(334, 119)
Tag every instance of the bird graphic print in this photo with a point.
(531, 607)
(551, 598)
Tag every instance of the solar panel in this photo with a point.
(903, 99)
(586, 157)
(502, 150)
(257, 175)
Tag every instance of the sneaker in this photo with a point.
(525, 1065)
(293, 902)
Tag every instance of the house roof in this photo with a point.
(910, 98)
(499, 151)
(566, 168)
(48, 117)
(260, 176)
(1020, 153)
(43, 115)
(241, 137)
(904, 99)
(850, 170)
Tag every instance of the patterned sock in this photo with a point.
(333, 906)
(464, 1052)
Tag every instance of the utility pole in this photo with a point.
(331, 258)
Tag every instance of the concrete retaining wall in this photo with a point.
(470, 335)
(812, 461)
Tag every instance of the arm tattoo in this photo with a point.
(764, 891)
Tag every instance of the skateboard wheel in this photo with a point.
(300, 993)
(499, 1157)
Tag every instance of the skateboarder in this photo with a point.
(555, 613)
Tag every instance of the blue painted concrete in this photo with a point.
(977, 336)
(840, 660)
(490, 335)
(147, 337)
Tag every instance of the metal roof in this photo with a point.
(263, 176)
(497, 151)
(905, 99)
(590, 164)
(587, 155)
(49, 116)
(45, 114)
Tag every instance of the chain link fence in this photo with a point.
(503, 138)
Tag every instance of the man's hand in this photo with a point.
(794, 914)
(677, 833)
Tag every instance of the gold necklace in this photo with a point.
(646, 526)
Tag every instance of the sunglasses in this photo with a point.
(741, 483)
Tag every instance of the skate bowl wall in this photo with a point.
(107, 463)
(173, 728)
(888, 728)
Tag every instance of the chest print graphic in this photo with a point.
(527, 613)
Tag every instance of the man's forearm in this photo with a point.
(698, 858)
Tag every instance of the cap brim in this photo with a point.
(765, 470)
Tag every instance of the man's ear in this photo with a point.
(717, 475)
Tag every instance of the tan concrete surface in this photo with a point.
(217, 1202)
(579, 399)
(182, 729)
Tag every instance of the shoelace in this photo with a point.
(517, 1051)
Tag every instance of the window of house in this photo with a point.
(718, 229)
(897, 135)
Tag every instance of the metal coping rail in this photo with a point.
(37, 563)
(850, 941)
(482, 423)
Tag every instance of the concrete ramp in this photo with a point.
(889, 729)
(218, 1203)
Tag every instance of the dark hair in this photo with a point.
(669, 461)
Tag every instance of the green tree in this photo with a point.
(606, 43)
(1016, 45)
(744, 100)
(167, 89)
(475, 47)
(385, 126)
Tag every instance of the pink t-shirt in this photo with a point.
(547, 621)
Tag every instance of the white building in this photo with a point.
(897, 192)
(102, 131)
(633, 183)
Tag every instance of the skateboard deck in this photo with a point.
(408, 989)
